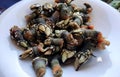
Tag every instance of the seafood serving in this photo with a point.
(58, 34)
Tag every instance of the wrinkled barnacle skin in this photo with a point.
(95, 36)
(54, 41)
(65, 12)
(53, 19)
(39, 64)
(38, 21)
(56, 68)
(71, 43)
(85, 18)
(29, 34)
(85, 33)
(55, 16)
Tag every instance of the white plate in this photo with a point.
(105, 19)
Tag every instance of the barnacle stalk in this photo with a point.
(56, 68)
(39, 65)
(71, 43)
(54, 41)
(29, 34)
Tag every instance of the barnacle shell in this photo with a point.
(35, 6)
(66, 54)
(47, 6)
(26, 53)
(82, 58)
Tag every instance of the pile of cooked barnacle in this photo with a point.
(58, 34)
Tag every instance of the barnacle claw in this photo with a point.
(82, 58)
